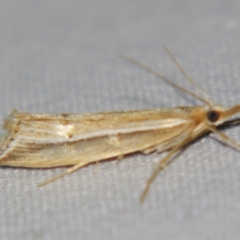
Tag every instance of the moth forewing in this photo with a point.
(45, 141)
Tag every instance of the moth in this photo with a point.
(77, 140)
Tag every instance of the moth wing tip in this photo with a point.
(14, 113)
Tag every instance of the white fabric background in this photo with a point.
(61, 56)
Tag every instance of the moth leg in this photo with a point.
(162, 165)
(226, 139)
(119, 158)
(149, 150)
(70, 170)
(96, 166)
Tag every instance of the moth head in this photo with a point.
(217, 115)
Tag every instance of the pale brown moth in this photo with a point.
(53, 140)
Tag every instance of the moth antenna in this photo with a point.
(208, 99)
(153, 72)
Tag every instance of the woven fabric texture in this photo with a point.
(62, 57)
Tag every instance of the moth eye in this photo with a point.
(213, 116)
